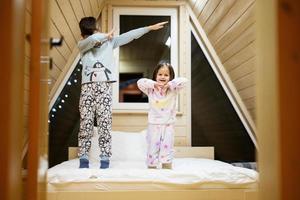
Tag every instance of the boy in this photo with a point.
(98, 74)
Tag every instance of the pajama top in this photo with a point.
(97, 61)
(162, 104)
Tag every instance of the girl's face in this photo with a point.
(163, 75)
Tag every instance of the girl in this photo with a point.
(162, 92)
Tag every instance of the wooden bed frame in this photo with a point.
(203, 194)
(181, 152)
(199, 194)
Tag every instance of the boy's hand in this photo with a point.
(110, 34)
(157, 26)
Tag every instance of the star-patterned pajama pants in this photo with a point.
(160, 139)
(95, 101)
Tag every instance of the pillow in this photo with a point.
(249, 165)
(126, 146)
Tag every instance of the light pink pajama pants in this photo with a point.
(160, 139)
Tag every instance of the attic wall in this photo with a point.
(228, 24)
(64, 19)
(65, 16)
(230, 27)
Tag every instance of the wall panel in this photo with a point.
(230, 27)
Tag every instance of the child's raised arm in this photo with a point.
(135, 34)
(145, 84)
(157, 26)
(89, 42)
(177, 83)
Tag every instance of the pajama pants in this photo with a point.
(95, 102)
(160, 139)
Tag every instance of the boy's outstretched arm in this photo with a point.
(135, 34)
(89, 42)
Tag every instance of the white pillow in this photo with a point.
(126, 146)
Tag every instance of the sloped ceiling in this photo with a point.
(64, 18)
(229, 24)
(230, 27)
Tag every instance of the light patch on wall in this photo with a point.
(168, 42)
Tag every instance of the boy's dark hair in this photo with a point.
(87, 26)
(163, 64)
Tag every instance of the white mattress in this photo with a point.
(187, 173)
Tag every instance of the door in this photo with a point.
(12, 95)
(38, 101)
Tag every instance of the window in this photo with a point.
(138, 58)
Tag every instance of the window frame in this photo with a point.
(145, 11)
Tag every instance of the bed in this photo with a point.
(195, 175)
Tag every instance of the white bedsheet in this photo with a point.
(185, 171)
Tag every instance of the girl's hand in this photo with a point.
(157, 86)
(166, 87)
(162, 88)
(157, 26)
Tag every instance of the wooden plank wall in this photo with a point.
(65, 16)
(230, 27)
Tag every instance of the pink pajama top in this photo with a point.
(162, 104)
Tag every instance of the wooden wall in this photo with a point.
(65, 16)
(229, 24)
(230, 27)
